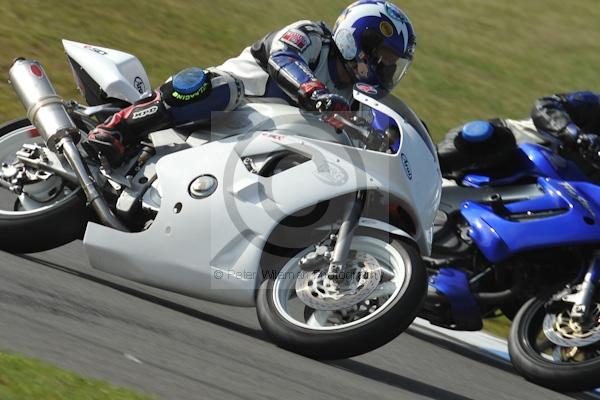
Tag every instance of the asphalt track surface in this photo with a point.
(53, 306)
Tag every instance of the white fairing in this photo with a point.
(120, 75)
(211, 248)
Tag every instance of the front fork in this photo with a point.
(338, 256)
(583, 298)
(345, 234)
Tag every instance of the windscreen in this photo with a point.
(388, 104)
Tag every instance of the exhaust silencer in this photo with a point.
(44, 107)
(47, 113)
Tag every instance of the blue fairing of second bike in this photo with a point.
(575, 218)
(534, 160)
(499, 238)
(453, 283)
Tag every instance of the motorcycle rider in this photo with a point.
(573, 117)
(304, 63)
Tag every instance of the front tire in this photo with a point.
(363, 335)
(526, 345)
(44, 228)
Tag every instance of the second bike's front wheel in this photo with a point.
(550, 349)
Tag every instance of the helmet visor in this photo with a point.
(390, 67)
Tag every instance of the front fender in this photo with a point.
(371, 223)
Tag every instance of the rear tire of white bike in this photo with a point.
(45, 228)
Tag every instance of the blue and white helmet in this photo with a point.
(376, 40)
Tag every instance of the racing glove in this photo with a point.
(570, 134)
(314, 96)
(588, 144)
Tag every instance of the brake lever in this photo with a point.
(364, 132)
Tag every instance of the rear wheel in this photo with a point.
(383, 288)
(48, 212)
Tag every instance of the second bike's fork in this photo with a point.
(583, 298)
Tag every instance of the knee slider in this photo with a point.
(193, 94)
(186, 87)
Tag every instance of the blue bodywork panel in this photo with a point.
(454, 285)
(565, 214)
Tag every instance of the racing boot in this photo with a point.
(111, 138)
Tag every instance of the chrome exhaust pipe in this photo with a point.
(93, 195)
(46, 111)
(44, 107)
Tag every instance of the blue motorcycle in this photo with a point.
(518, 232)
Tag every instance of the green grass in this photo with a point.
(22, 378)
(499, 326)
(474, 59)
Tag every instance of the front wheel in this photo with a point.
(383, 286)
(551, 349)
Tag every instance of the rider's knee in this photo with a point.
(195, 95)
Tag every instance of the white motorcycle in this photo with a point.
(321, 230)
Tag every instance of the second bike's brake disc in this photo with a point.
(358, 281)
(561, 330)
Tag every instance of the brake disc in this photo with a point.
(358, 281)
(561, 330)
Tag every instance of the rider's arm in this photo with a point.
(293, 50)
(565, 115)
